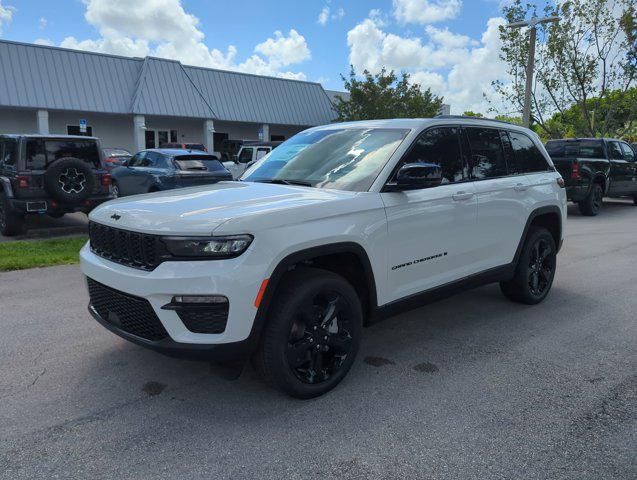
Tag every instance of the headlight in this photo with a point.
(212, 247)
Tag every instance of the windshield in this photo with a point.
(338, 158)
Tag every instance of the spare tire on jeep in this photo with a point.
(69, 180)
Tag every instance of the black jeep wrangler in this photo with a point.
(49, 174)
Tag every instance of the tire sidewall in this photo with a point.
(524, 261)
(279, 326)
(52, 176)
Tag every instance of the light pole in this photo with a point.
(533, 23)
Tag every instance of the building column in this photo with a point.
(209, 135)
(264, 133)
(139, 132)
(43, 122)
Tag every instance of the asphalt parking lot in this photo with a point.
(470, 387)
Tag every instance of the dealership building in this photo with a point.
(138, 103)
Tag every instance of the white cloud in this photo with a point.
(324, 16)
(43, 41)
(6, 15)
(163, 28)
(425, 11)
(456, 66)
(42, 23)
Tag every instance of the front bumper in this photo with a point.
(237, 280)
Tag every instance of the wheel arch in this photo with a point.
(326, 257)
(549, 217)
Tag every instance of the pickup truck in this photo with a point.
(593, 168)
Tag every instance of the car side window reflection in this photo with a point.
(440, 146)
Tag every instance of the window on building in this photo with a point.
(277, 138)
(526, 156)
(75, 130)
(440, 146)
(150, 138)
(487, 155)
(173, 136)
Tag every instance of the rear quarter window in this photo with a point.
(526, 158)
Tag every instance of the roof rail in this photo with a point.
(465, 117)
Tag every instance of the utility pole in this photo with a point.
(533, 23)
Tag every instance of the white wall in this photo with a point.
(113, 130)
(18, 121)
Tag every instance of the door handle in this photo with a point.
(520, 187)
(460, 196)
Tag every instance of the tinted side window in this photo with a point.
(151, 159)
(136, 160)
(615, 151)
(246, 155)
(35, 156)
(9, 153)
(527, 157)
(629, 155)
(440, 146)
(487, 155)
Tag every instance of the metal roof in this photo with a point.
(44, 77)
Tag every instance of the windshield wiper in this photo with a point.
(281, 181)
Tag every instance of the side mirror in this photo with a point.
(418, 175)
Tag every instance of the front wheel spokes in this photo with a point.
(297, 352)
(339, 343)
(331, 311)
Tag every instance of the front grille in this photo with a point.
(208, 319)
(129, 313)
(133, 249)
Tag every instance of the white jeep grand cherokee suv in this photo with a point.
(340, 224)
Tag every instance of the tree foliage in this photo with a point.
(585, 69)
(385, 95)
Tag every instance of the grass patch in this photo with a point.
(40, 253)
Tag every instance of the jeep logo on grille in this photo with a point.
(116, 216)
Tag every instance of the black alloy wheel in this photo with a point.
(541, 267)
(535, 269)
(320, 338)
(115, 190)
(72, 181)
(312, 333)
(592, 204)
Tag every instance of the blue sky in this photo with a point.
(452, 39)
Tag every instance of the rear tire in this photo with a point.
(592, 204)
(635, 200)
(312, 334)
(535, 270)
(115, 190)
(11, 222)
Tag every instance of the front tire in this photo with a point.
(11, 222)
(312, 335)
(115, 190)
(535, 270)
(592, 204)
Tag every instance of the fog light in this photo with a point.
(199, 299)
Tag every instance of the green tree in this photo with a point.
(385, 95)
(471, 113)
(586, 62)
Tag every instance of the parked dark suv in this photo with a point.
(594, 168)
(49, 174)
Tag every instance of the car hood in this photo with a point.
(201, 210)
